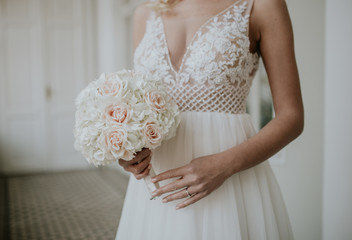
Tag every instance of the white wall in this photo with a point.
(46, 58)
(337, 210)
(300, 177)
(49, 50)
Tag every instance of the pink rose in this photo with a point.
(109, 88)
(155, 100)
(114, 140)
(119, 113)
(152, 133)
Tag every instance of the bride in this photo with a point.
(215, 180)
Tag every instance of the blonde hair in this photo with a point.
(163, 5)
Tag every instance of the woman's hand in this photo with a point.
(139, 165)
(195, 180)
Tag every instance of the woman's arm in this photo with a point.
(272, 28)
(277, 50)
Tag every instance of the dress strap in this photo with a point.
(248, 12)
(250, 4)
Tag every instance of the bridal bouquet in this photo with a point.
(121, 113)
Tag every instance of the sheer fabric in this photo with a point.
(217, 68)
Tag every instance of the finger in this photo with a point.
(177, 172)
(137, 169)
(123, 163)
(144, 173)
(178, 195)
(139, 157)
(178, 184)
(191, 200)
(142, 155)
(146, 159)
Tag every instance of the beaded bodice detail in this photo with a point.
(217, 68)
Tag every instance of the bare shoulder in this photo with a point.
(142, 12)
(269, 7)
(140, 17)
(270, 14)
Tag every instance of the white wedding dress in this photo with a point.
(210, 87)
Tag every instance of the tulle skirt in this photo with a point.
(248, 205)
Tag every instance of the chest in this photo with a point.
(184, 21)
(179, 33)
(214, 51)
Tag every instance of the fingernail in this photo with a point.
(178, 207)
(153, 180)
(164, 200)
(150, 166)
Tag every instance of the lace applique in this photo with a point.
(217, 68)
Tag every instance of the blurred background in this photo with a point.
(50, 50)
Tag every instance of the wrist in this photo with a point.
(231, 162)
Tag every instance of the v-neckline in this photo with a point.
(197, 32)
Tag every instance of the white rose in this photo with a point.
(155, 100)
(152, 133)
(118, 113)
(113, 140)
(99, 155)
(112, 85)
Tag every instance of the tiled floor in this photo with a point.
(62, 206)
(2, 208)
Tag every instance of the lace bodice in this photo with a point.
(217, 68)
